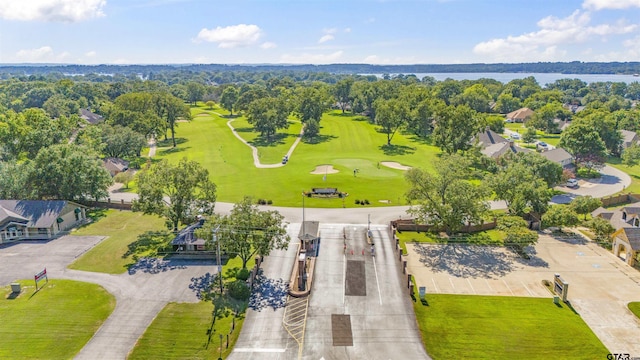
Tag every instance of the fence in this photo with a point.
(108, 204)
(411, 225)
(620, 199)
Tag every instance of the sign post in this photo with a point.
(40, 276)
(560, 287)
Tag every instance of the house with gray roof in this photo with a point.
(90, 117)
(37, 219)
(186, 240)
(626, 238)
(493, 145)
(559, 156)
(628, 138)
(487, 138)
(115, 165)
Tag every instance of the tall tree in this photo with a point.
(445, 199)
(187, 189)
(267, 115)
(15, 180)
(521, 189)
(69, 172)
(229, 98)
(171, 109)
(455, 127)
(248, 231)
(585, 204)
(585, 144)
(195, 92)
(121, 141)
(560, 215)
(391, 115)
(342, 93)
(477, 97)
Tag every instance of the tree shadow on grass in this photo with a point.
(149, 241)
(394, 150)
(318, 139)
(465, 260)
(244, 129)
(173, 150)
(273, 140)
(268, 293)
(169, 142)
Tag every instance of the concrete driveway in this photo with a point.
(140, 294)
(600, 285)
(612, 181)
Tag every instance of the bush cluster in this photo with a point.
(362, 202)
(264, 202)
(239, 290)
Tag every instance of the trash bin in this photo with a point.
(556, 300)
(15, 287)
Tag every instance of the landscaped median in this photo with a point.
(496, 327)
(54, 322)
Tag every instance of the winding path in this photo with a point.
(254, 150)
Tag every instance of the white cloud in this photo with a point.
(307, 58)
(347, 30)
(325, 38)
(268, 45)
(610, 4)
(41, 54)
(90, 54)
(51, 10)
(231, 36)
(543, 45)
(330, 30)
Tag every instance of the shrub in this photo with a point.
(269, 202)
(365, 202)
(588, 173)
(357, 201)
(243, 274)
(239, 290)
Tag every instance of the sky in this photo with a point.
(318, 31)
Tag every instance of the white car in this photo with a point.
(572, 183)
(515, 136)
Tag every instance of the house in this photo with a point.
(115, 165)
(487, 138)
(559, 156)
(496, 150)
(90, 117)
(493, 145)
(626, 238)
(37, 219)
(521, 115)
(186, 240)
(628, 138)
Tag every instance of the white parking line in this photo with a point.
(344, 275)
(377, 282)
(451, 281)
(489, 286)
(472, 289)
(434, 285)
(507, 285)
(525, 286)
(260, 350)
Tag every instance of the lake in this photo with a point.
(542, 78)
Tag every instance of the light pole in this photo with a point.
(215, 239)
(220, 357)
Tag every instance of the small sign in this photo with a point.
(40, 276)
(423, 291)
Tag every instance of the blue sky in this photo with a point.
(318, 31)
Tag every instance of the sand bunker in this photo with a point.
(324, 169)
(395, 165)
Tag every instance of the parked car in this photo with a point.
(285, 159)
(572, 183)
(515, 136)
(542, 145)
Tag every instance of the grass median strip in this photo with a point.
(53, 323)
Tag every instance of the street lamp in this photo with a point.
(220, 357)
(215, 239)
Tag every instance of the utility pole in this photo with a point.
(215, 239)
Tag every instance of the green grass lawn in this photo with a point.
(488, 237)
(347, 142)
(162, 340)
(635, 308)
(496, 327)
(54, 323)
(122, 229)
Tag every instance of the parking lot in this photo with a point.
(600, 285)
